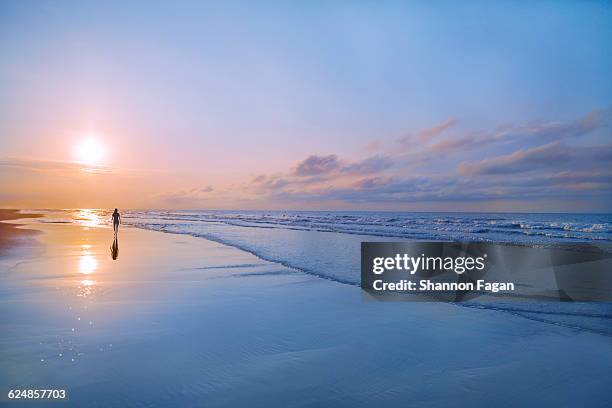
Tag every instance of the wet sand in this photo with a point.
(172, 320)
(11, 236)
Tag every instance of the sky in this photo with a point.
(416, 106)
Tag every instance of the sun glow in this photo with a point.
(88, 218)
(90, 151)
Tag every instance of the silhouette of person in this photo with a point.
(116, 221)
(115, 249)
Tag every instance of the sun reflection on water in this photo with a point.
(88, 218)
(87, 266)
(87, 263)
(87, 288)
(81, 289)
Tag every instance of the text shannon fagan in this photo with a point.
(413, 264)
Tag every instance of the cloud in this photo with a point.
(374, 145)
(519, 161)
(318, 169)
(452, 189)
(426, 135)
(315, 165)
(52, 166)
(61, 167)
(543, 131)
(371, 183)
(573, 177)
(549, 156)
(369, 165)
(525, 135)
(60, 184)
(461, 143)
(274, 182)
(260, 179)
(183, 196)
(383, 190)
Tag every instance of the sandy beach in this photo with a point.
(176, 320)
(13, 238)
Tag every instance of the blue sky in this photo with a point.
(220, 96)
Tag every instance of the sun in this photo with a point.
(90, 151)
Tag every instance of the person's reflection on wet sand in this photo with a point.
(115, 248)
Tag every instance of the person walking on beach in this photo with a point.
(116, 221)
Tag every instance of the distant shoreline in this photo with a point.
(14, 214)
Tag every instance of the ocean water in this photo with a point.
(327, 244)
